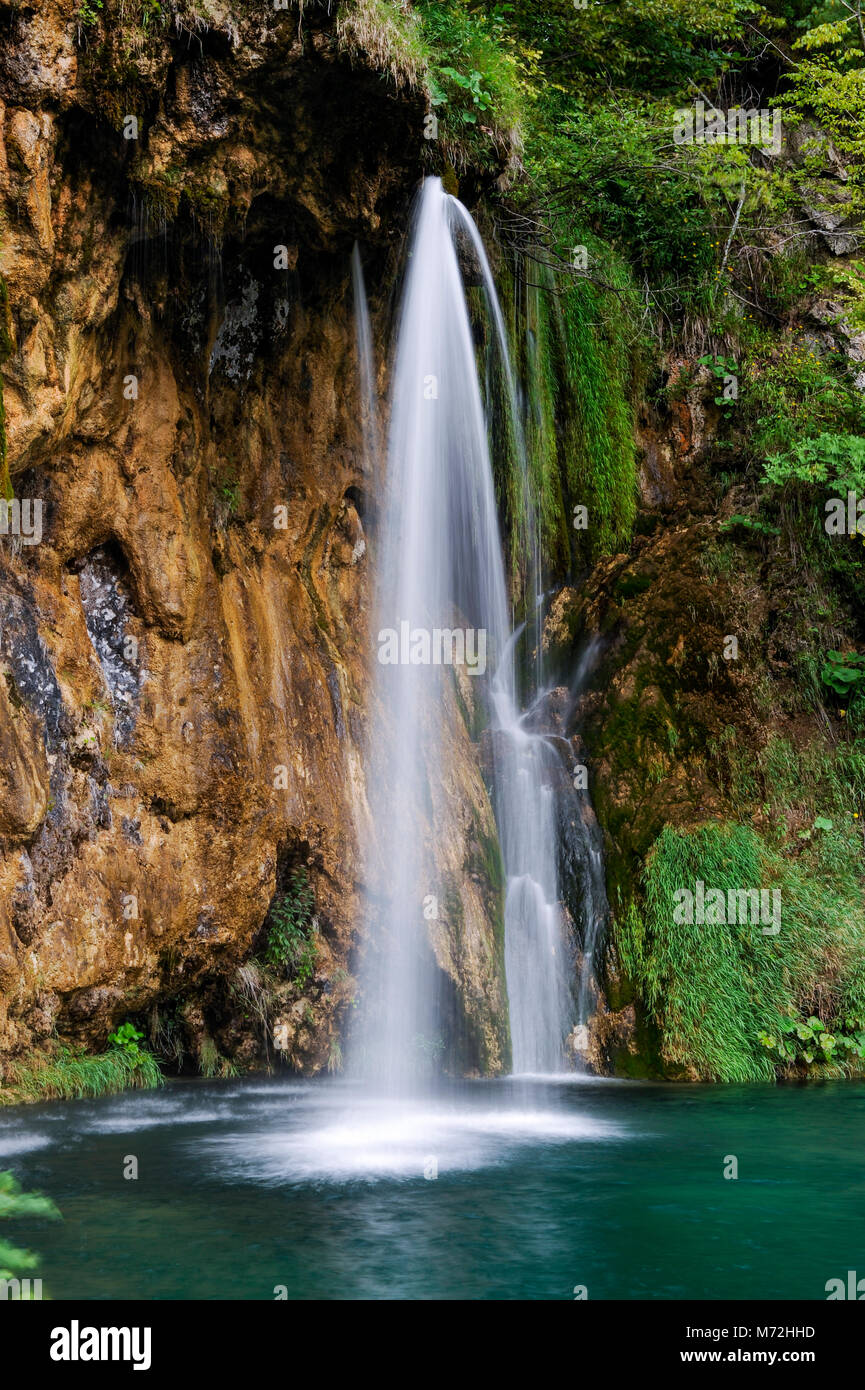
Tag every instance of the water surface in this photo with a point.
(534, 1186)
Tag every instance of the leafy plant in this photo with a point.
(843, 673)
(721, 368)
(291, 945)
(810, 1041)
(126, 1038)
(837, 460)
(750, 523)
(471, 84)
(89, 11)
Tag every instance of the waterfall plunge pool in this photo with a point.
(522, 1188)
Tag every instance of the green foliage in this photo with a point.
(573, 349)
(151, 13)
(291, 946)
(821, 90)
(71, 1074)
(147, 14)
(126, 1038)
(477, 71)
(714, 989)
(842, 673)
(389, 35)
(212, 1063)
(837, 460)
(650, 203)
(657, 46)
(720, 367)
(596, 376)
(806, 1042)
(792, 394)
(89, 12)
(14, 1202)
(753, 524)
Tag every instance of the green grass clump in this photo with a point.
(713, 989)
(389, 35)
(72, 1075)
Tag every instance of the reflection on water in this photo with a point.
(521, 1188)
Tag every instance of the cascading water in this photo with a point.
(440, 570)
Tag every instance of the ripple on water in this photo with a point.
(12, 1142)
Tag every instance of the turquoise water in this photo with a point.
(541, 1186)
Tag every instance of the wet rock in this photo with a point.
(108, 609)
(171, 391)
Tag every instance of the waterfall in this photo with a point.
(441, 594)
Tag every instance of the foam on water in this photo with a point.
(15, 1143)
(380, 1139)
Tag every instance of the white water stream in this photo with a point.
(440, 569)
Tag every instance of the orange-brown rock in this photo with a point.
(185, 670)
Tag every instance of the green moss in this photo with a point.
(573, 352)
(597, 376)
(162, 197)
(210, 205)
(545, 475)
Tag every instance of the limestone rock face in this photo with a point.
(184, 668)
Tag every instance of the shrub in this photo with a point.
(290, 945)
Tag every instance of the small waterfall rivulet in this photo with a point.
(441, 588)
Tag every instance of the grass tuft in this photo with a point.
(71, 1076)
(389, 35)
(713, 988)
